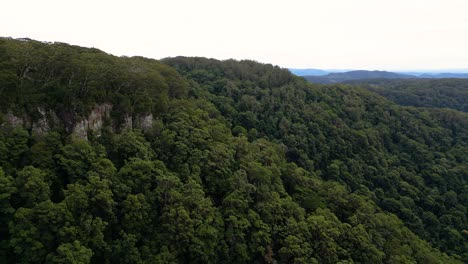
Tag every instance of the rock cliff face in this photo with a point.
(14, 120)
(47, 120)
(127, 122)
(94, 122)
(145, 122)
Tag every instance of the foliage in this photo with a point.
(244, 163)
(440, 93)
(406, 159)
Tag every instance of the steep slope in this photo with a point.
(410, 161)
(212, 180)
(441, 93)
(44, 83)
(340, 77)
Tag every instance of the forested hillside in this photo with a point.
(407, 158)
(192, 160)
(440, 93)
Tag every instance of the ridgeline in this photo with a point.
(108, 159)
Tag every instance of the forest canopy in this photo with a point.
(439, 93)
(243, 163)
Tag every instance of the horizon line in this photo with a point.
(433, 70)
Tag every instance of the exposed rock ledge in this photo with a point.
(93, 123)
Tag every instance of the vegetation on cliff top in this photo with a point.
(244, 163)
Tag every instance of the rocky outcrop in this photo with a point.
(145, 122)
(81, 129)
(14, 120)
(94, 122)
(45, 120)
(127, 122)
(42, 125)
(98, 115)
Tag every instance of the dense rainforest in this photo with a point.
(108, 159)
(440, 93)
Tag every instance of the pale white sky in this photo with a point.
(329, 34)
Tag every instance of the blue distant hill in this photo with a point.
(444, 75)
(308, 72)
(326, 77)
(355, 75)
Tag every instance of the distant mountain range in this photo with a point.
(444, 75)
(325, 77)
(308, 72)
(355, 75)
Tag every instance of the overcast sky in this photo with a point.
(328, 34)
